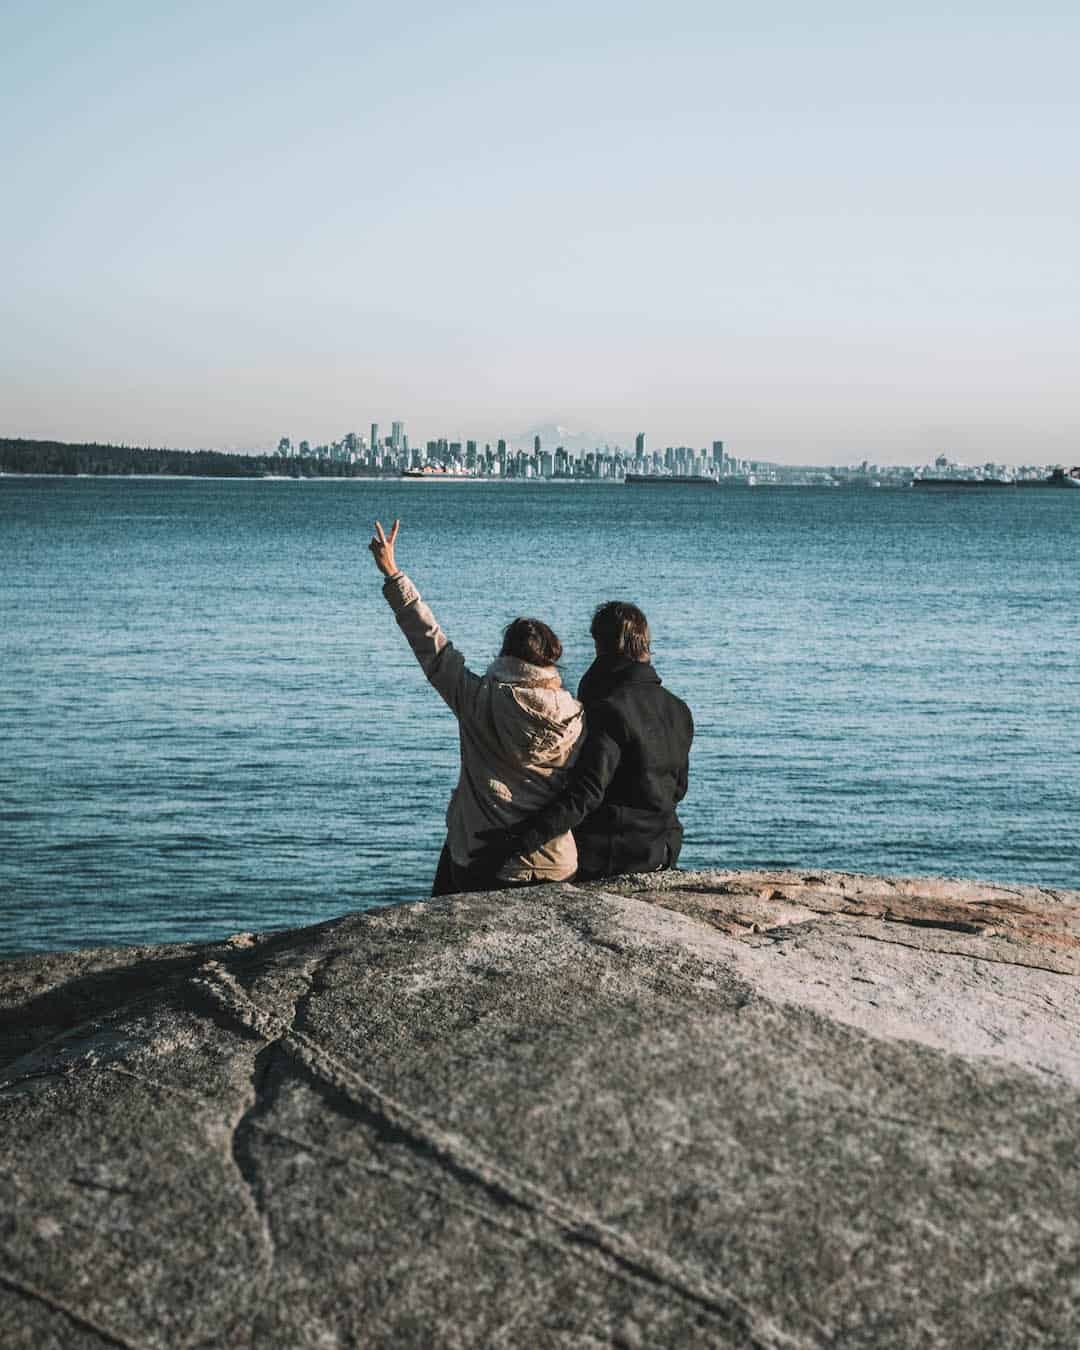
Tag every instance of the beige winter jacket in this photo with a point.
(520, 731)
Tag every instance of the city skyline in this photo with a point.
(551, 455)
(845, 237)
(541, 451)
(378, 457)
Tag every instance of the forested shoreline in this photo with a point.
(61, 457)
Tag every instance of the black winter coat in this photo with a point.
(632, 771)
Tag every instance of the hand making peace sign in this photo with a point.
(382, 549)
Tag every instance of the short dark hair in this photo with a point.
(532, 641)
(621, 629)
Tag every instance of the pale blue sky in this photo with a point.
(817, 232)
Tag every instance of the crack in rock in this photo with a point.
(243, 1157)
(257, 1103)
(961, 955)
(75, 1315)
(577, 1229)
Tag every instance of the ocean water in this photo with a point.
(209, 721)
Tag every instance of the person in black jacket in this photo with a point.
(632, 772)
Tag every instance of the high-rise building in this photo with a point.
(536, 445)
(718, 452)
(374, 436)
(397, 430)
(639, 445)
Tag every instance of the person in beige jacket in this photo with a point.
(520, 732)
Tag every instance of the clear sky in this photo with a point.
(815, 231)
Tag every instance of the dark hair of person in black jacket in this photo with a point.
(621, 629)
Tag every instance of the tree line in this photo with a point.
(60, 457)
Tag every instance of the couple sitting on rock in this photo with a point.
(537, 763)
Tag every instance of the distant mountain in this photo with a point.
(552, 435)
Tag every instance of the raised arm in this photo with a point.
(439, 659)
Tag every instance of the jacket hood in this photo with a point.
(536, 719)
(511, 670)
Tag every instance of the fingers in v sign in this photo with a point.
(382, 548)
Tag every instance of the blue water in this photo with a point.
(209, 721)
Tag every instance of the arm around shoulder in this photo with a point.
(589, 781)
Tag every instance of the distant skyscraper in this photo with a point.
(397, 431)
(374, 435)
(718, 452)
(639, 445)
(536, 445)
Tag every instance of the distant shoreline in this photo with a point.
(312, 478)
(459, 479)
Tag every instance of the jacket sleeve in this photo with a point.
(682, 778)
(439, 659)
(589, 780)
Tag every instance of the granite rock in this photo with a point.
(767, 1109)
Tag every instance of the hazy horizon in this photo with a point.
(818, 237)
(577, 443)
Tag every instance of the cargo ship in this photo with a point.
(1058, 478)
(730, 480)
(432, 474)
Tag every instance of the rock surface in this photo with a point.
(693, 1109)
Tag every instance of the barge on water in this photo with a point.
(1059, 478)
(731, 480)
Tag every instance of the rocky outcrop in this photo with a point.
(715, 1109)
